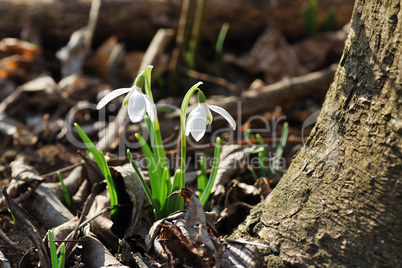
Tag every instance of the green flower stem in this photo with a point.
(159, 152)
(212, 176)
(183, 111)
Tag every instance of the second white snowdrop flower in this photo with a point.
(201, 116)
(138, 102)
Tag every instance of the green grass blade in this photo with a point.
(110, 184)
(261, 159)
(253, 173)
(65, 193)
(247, 134)
(202, 178)
(282, 143)
(221, 39)
(212, 176)
(53, 250)
(102, 164)
(145, 187)
(62, 258)
(91, 147)
(262, 143)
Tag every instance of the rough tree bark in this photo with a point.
(340, 204)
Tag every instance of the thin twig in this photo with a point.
(10, 242)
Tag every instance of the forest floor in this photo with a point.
(266, 85)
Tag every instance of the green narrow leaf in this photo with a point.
(53, 250)
(110, 184)
(174, 203)
(89, 144)
(144, 186)
(158, 149)
(282, 143)
(253, 173)
(62, 258)
(202, 177)
(65, 193)
(221, 39)
(219, 47)
(151, 131)
(212, 176)
(102, 164)
(263, 147)
(147, 84)
(284, 139)
(247, 134)
(157, 144)
(155, 173)
(164, 190)
(261, 159)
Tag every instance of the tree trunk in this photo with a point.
(340, 203)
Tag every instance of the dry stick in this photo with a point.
(10, 242)
(113, 130)
(209, 78)
(92, 21)
(183, 35)
(253, 102)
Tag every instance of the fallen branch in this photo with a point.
(253, 102)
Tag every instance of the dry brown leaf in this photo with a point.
(270, 55)
(17, 46)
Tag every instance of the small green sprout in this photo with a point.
(202, 179)
(65, 193)
(56, 262)
(263, 162)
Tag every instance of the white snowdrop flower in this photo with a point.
(201, 116)
(138, 102)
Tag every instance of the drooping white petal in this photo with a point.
(136, 106)
(208, 113)
(127, 97)
(110, 96)
(196, 123)
(150, 107)
(224, 113)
